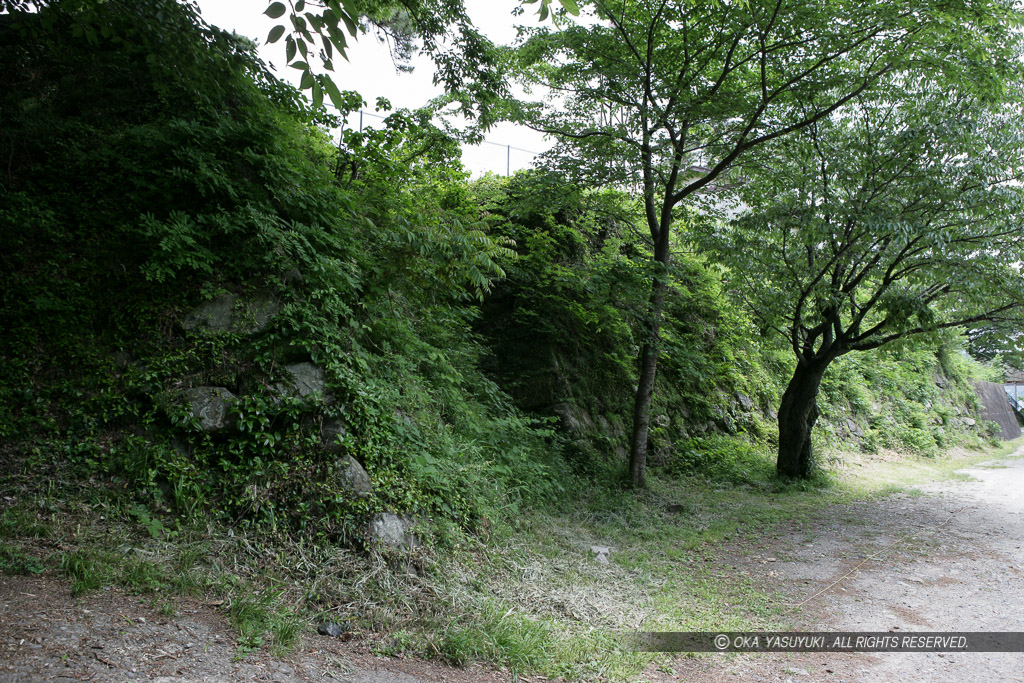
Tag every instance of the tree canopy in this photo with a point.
(899, 217)
(664, 97)
(467, 64)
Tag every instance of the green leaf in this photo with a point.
(275, 34)
(275, 10)
(318, 96)
(350, 23)
(333, 93)
(571, 7)
(307, 80)
(290, 49)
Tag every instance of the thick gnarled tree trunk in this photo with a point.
(797, 415)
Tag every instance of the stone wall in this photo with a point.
(996, 407)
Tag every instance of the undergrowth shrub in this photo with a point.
(149, 185)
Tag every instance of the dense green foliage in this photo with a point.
(899, 218)
(665, 98)
(147, 176)
(477, 340)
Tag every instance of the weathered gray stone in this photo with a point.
(333, 628)
(854, 429)
(601, 553)
(724, 421)
(210, 406)
(331, 434)
(969, 421)
(302, 380)
(228, 313)
(254, 316)
(745, 401)
(388, 530)
(214, 315)
(292, 277)
(352, 476)
(574, 418)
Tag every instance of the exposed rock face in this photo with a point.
(332, 431)
(213, 316)
(303, 380)
(745, 402)
(255, 315)
(353, 477)
(388, 530)
(210, 405)
(573, 417)
(227, 313)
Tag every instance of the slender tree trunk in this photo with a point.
(645, 382)
(797, 415)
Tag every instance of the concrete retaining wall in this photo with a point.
(996, 407)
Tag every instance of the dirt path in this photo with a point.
(951, 560)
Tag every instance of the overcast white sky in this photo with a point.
(371, 72)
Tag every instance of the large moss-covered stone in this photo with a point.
(574, 419)
(331, 434)
(745, 402)
(214, 315)
(303, 380)
(390, 531)
(352, 477)
(210, 405)
(228, 313)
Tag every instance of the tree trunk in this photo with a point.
(797, 415)
(645, 384)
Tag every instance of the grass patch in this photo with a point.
(143, 576)
(14, 561)
(531, 599)
(21, 523)
(511, 640)
(86, 571)
(260, 619)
